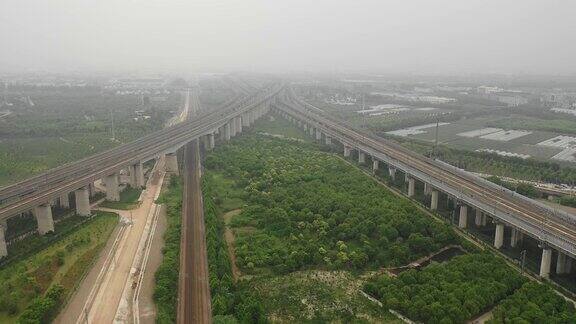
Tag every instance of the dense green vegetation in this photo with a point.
(309, 229)
(65, 125)
(522, 188)
(221, 283)
(311, 209)
(43, 309)
(34, 284)
(128, 199)
(450, 292)
(229, 301)
(166, 277)
(307, 218)
(568, 201)
(534, 303)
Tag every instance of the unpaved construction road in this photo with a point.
(106, 295)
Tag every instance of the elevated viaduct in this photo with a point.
(554, 230)
(475, 197)
(40, 193)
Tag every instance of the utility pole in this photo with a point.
(363, 112)
(436, 137)
(112, 118)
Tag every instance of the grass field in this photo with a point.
(61, 262)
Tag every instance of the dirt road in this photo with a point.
(194, 304)
(105, 295)
(229, 237)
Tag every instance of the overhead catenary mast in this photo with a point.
(112, 118)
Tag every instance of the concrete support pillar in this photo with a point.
(232, 124)
(238, 124)
(64, 201)
(139, 171)
(205, 142)
(328, 140)
(427, 189)
(112, 189)
(227, 132)
(392, 172)
(361, 157)
(221, 132)
(3, 246)
(478, 217)
(484, 219)
(318, 135)
(514, 237)
(411, 186)
(463, 219)
(132, 178)
(305, 127)
(171, 163)
(545, 263)
(91, 189)
(374, 165)
(434, 200)
(211, 141)
(43, 214)
(311, 131)
(245, 120)
(561, 263)
(82, 201)
(347, 151)
(499, 235)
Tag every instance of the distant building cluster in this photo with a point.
(416, 97)
(140, 115)
(512, 98)
(564, 100)
(136, 83)
(341, 100)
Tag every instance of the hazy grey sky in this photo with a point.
(432, 36)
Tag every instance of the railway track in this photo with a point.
(194, 304)
(467, 185)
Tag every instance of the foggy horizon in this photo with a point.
(443, 37)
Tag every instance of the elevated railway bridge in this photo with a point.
(39, 193)
(555, 230)
(475, 197)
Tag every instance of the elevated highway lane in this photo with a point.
(52, 184)
(549, 226)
